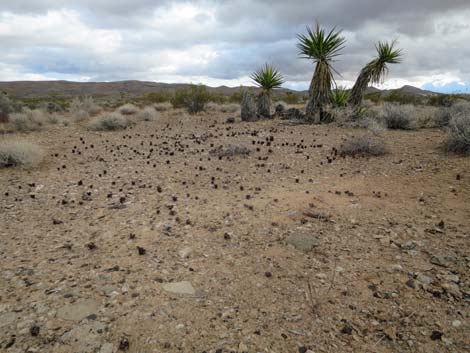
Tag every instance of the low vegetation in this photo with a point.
(19, 154)
(27, 121)
(147, 114)
(109, 122)
(128, 109)
(363, 146)
(397, 117)
(458, 135)
(194, 98)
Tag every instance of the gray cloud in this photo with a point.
(224, 40)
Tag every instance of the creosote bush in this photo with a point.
(363, 146)
(194, 98)
(19, 154)
(458, 135)
(109, 122)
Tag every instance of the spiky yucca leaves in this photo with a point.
(339, 97)
(322, 48)
(267, 78)
(375, 71)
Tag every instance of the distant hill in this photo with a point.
(132, 89)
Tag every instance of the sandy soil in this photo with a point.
(388, 269)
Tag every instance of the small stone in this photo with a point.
(107, 348)
(456, 323)
(34, 330)
(141, 250)
(185, 252)
(268, 274)
(124, 344)
(303, 242)
(436, 335)
(424, 279)
(78, 311)
(347, 329)
(396, 268)
(183, 287)
(7, 319)
(242, 348)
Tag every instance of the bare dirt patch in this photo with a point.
(112, 218)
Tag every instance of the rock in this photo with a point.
(7, 319)
(248, 107)
(396, 268)
(107, 348)
(124, 344)
(424, 279)
(436, 335)
(84, 338)
(230, 120)
(242, 348)
(452, 289)
(185, 252)
(79, 310)
(303, 242)
(107, 290)
(183, 287)
(456, 323)
(442, 260)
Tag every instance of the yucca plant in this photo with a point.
(322, 48)
(375, 71)
(267, 78)
(339, 97)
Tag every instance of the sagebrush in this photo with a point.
(19, 154)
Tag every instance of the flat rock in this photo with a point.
(183, 287)
(85, 338)
(7, 319)
(78, 311)
(303, 242)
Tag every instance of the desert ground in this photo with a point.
(152, 239)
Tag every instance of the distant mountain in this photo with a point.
(132, 89)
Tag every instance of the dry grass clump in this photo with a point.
(222, 108)
(230, 151)
(109, 122)
(128, 109)
(458, 135)
(84, 107)
(28, 120)
(19, 154)
(363, 146)
(163, 107)
(147, 114)
(398, 117)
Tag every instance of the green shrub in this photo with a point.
(441, 100)
(109, 122)
(19, 154)
(339, 97)
(193, 98)
(156, 97)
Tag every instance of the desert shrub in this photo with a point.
(19, 154)
(80, 115)
(458, 135)
(290, 98)
(29, 120)
(156, 97)
(51, 107)
(147, 114)
(162, 107)
(7, 106)
(441, 100)
(84, 104)
(128, 109)
(194, 98)
(230, 151)
(397, 117)
(399, 97)
(363, 146)
(109, 122)
(223, 108)
(236, 97)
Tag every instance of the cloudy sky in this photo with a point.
(221, 42)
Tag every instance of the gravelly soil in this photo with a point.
(89, 240)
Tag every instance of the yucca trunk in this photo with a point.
(264, 104)
(319, 93)
(360, 87)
